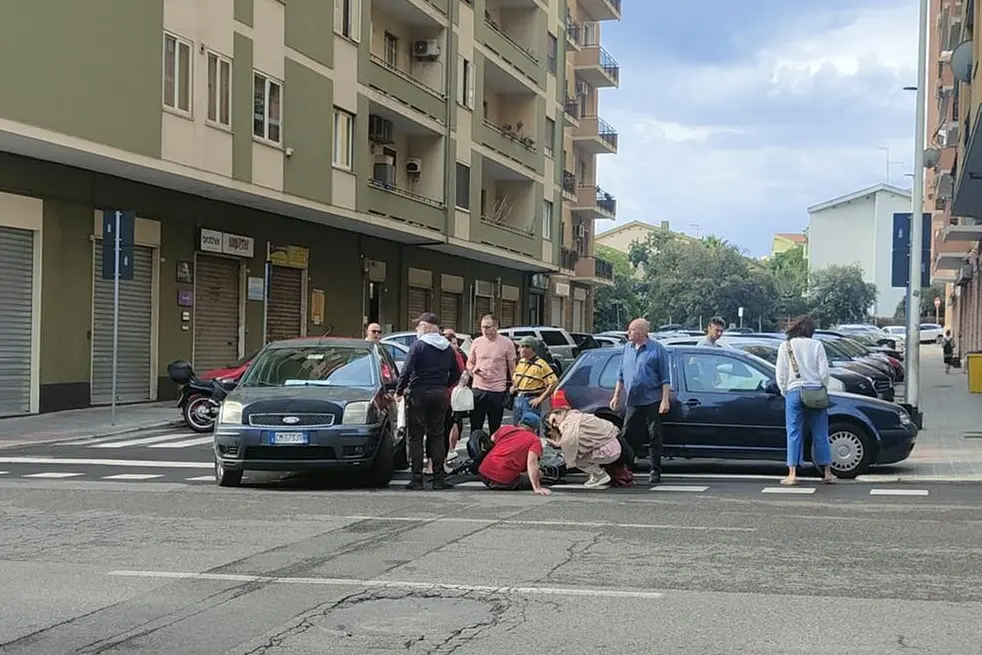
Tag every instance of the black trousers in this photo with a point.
(488, 405)
(642, 425)
(427, 413)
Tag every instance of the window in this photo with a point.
(608, 377)
(344, 145)
(463, 200)
(266, 112)
(721, 374)
(552, 54)
(547, 220)
(391, 50)
(347, 18)
(554, 338)
(219, 90)
(177, 73)
(465, 82)
(550, 139)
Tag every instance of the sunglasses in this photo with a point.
(376, 331)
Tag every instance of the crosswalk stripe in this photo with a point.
(200, 478)
(788, 490)
(122, 463)
(899, 492)
(144, 441)
(679, 487)
(184, 444)
(132, 476)
(53, 474)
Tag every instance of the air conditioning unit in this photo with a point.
(484, 288)
(414, 166)
(949, 137)
(426, 49)
(379, 129)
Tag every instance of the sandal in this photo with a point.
(789, 482)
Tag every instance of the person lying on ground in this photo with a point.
(512, 463)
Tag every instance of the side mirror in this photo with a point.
(772, 388)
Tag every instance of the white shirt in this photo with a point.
(813, 365)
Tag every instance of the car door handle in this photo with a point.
(692, 402)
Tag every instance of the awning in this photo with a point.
(967, 200)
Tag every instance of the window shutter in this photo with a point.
(470, 85)
(356, 20)
(461, 89)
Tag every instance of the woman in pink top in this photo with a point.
(490, 364)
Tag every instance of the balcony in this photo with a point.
(571, 111)
(594, 202)
(596, 67)
(567, 259)
(390, 80)
(508, 211)
(569, 186)
(574, 34)
(600, 10)
(502, 27)
(594, 271)
(413, 9)
(512, 144)
(595, 135)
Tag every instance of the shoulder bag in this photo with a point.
(811, 398)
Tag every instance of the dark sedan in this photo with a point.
(726, 404)
(859, 348)
(311, 404)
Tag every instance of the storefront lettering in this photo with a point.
(227, 244)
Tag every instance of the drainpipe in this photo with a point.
(448, 154)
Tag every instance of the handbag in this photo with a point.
(462, 399)
(811, 398)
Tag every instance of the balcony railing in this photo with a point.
(573, 32)
(610, 65)
(420, 84)
(500, 223)
(605, 131)
(572, 108)
(606, 202)
(569, 183)
(568, 258)
(506, 131)
(604, 269)
(497, 28)
(391, 188)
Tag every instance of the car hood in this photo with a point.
(296, 398)
(866, 402)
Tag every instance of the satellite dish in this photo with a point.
(931, 157)
(961, 62)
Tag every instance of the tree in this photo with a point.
(790, 272)
(616, 305)
(838, 294)
(928, 294)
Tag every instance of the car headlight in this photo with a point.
(356, 413)
(905, 419)
(836, 385)
(230, 413)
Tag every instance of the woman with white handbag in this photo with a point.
(803, 378)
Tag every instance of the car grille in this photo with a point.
(287, 420)
(289, 453)
(881, 385)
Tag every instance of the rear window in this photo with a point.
(608, 377)
(554, 338)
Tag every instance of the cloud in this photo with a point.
(793, 108)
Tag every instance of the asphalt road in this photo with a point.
(96, 566)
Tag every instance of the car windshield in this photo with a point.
(833, 351)
(850, 347)
(767, 353)
(314, 365)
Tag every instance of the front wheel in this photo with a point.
(852, 450)
(227, 477)
(199, 414)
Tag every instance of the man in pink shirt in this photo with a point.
(490, 363)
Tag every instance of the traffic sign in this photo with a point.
(127, 229)
(900, 269)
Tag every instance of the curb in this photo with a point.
(94, 435)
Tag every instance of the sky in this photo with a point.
(734, 116)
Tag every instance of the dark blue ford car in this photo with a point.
(726, 405)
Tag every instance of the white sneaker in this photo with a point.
(597, 481)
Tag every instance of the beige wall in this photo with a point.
(430, 73)
(621, 241)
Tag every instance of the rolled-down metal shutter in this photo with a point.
(509, 309)
(135, 346)
(450, 310)
(16, 319)
(216, 312)
(578, 315)
(556, 318)
(482, 307)
(284, 313)
(419, 302)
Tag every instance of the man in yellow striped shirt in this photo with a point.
(532, 382)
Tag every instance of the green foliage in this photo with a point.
(928, 294)
(838, 294)
(615, 306)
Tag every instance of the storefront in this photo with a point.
(560, 296)
(286, 291)
(219, 298)
(579, 309)
(538, 286)
(483, 302)
(451, 301)
(419, 295)
(508, 306)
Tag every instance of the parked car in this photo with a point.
(398, 352)
(232, 372)
(878, 355)
(312, 404)
(869, 334)
(407, 339)
(584, 340)
(559, 342)
(739, 413)
(931, 333)
(608, 341)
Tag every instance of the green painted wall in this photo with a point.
(309, 29)
(88, 69)
(242, 108)
(243, 11)
(308, 127)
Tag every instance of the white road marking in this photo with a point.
(132, 476)
(4, 472)
(590, 592)
(201, 478)
(899, 492)
(53, 474)
(682, 488)
(185, 444)
(89, 441)
(788, 490)
(569, 524)
(138, 463)
(144, 441)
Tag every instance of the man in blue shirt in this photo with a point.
(644, 374)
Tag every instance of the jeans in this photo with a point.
(488, 405)
(427, 413)
(797, 418)
(523, 405)
(642, 425)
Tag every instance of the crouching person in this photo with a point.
(593, 445)
(512, 461)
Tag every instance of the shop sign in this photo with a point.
(291, 256)
(562, 289)
(225, 243)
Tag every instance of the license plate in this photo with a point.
(290, 438)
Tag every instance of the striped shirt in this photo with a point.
(532, 376)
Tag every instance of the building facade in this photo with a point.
(295, 169)
(858, 229)
(953, 190)
(784, 241)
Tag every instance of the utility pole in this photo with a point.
(913, 381)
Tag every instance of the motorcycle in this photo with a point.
(200, 399)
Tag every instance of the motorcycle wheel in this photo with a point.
(197, 414)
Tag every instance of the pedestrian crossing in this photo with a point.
(167, 440)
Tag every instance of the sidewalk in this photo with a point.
(950, 445)
(91, 422)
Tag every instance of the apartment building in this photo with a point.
(295, 168)
(954, 187)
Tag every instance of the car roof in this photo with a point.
(346, 342)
